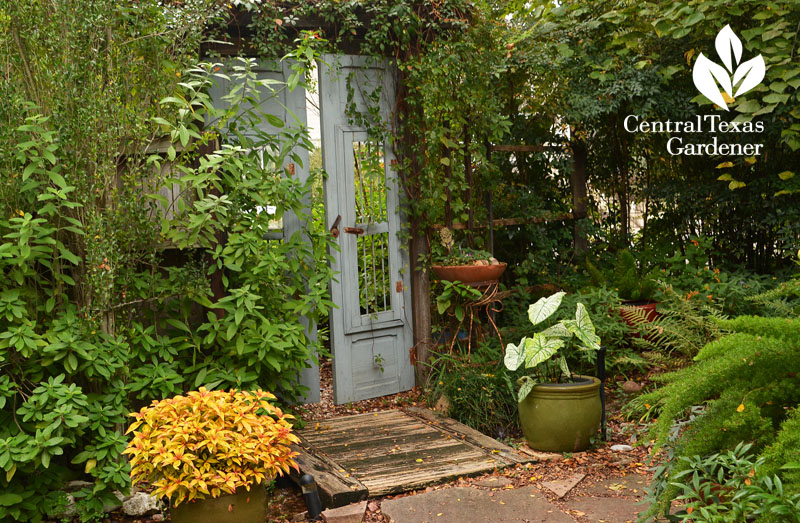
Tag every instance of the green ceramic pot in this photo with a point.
(241, 507)
(561, 417)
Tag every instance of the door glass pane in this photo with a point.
(370, 180)
(372, 246)
(373, 273)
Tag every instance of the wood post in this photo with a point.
(420, 305)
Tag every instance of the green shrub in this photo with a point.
(632, 283)
(691, 273)
(480, 391)
(739, 389)
(106, 301)
(627, 278)
(785, 449)
(732, 486)
(682, 328)
(783, 300)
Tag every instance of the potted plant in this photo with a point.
(212, 453)
(456, 263)
(635, 286)
(558, 411)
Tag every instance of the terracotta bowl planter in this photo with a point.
(469, 273)
(241, 507)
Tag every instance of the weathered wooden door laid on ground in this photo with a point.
(371, 333)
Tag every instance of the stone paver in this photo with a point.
(560, 487)
(607, 510)
(352, 513)
(464, 504)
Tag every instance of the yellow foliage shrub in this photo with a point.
(209, 443)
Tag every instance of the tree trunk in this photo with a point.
(580, 200)
(624, 208)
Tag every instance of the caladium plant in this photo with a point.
(544, 353)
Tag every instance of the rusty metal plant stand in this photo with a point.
(489, 302)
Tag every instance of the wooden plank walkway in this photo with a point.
(380, 453)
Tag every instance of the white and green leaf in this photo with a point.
(515, 355)
(558, 330)
(583, 328)
(540, 348)
(544, 308)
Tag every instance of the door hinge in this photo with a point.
(335, 227)
(398, 286)
(412, 355)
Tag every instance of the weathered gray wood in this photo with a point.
(289, 106)
(335, 487)
(507, 222)
(508, 454)
(421, 305)
(370, 350)
(394, 451)
(521, 148)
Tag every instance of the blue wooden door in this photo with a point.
(371, 327)
(290, 107)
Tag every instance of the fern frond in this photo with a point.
(783, 300)
(682, 327)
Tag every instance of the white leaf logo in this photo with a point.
(709, 77)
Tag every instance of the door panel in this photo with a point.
(370, 329)
(290, 106)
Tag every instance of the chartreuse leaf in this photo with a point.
(562, 364)
(544, 308)
(527, 386)
(515, 355)
(540, 348)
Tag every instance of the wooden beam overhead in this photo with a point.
(507, 222)
(520, 148)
